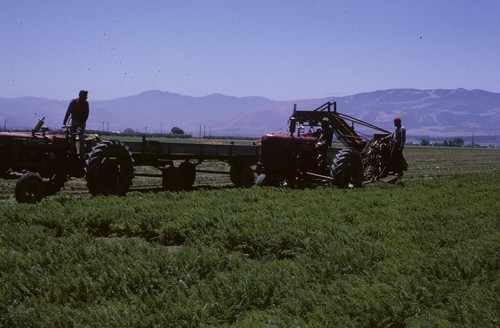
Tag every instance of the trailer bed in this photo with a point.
(154, 153)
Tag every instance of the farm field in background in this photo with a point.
(439, 161)
(422, 253)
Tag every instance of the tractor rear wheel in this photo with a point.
(347, 169)
(29, 188)
(109, 169)
(234, 173)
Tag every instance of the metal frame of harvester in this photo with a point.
(294, 159)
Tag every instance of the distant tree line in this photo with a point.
(455, 142)
(230, 137)
(175, 132)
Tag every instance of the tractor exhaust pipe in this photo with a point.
(38, 126)
(292, 121)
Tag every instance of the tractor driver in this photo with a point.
(324, 135)
(78, 109)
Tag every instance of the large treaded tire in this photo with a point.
(109, 169)
(347, 169)
(29, 188)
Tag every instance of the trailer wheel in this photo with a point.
(29, 188)
(242, 175)
(173, 179)
(347, 169)
(55, 183)
(109, 169)
(188, 170)
(247, 177)
(234, 173)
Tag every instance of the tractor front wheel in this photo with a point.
(265, 179)
(262, 180)
(29, 188)
(347, 169)
(109, 169)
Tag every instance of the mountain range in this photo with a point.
(434, 113)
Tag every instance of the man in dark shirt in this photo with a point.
(324, 136)
(78, 109)
(399, 140)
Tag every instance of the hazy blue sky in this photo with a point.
(280, 49)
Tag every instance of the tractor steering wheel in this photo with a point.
(67, 130)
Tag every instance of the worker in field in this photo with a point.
(324, 134)
(78, 110)
(398, 144)
(324, 137)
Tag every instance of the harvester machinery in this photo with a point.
(295, 159)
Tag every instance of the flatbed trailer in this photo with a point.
(165, 155)
(153, 152)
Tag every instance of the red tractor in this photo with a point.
(42, 162)
(299, 158)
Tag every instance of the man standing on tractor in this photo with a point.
(398, 144)
(78, 109)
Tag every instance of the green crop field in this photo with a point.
(422, 253)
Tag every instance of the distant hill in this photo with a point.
(433, 113)
(424, 112)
